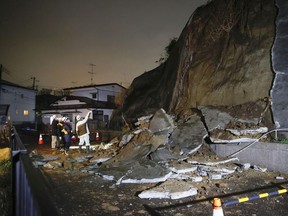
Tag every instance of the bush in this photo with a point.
(5, 187)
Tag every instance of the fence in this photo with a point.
(30, 193)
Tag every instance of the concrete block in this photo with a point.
(273, 156)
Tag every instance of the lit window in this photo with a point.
(16, 111)
(26, 112)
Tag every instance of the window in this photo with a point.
(98, 115)
(26, 112)
(94, 95)
(16, 111)
(110, 98)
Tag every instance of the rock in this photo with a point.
(162, 155)
(161, 122)
(68, 165)
(188, 136)
(109, 207)
(211, 65)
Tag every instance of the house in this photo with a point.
(21, 101)
(80, 100)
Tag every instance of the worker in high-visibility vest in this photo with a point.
(67, 129)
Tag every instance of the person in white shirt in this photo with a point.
(83, 132)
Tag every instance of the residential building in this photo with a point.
(80, 100)
(21, 101)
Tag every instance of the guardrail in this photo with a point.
(30, 193)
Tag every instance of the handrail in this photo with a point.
(30, 193)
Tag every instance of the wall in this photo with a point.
(101, 91)
(20, 99)
(280, 66)
(273, 156)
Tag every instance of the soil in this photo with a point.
(77, 193)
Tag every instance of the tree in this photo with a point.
(45, 91)
(168, 50)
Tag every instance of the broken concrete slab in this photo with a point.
(138, 171)
(214, 118)
(125, 139)
(186, 177)
(144, 180)
(252, 131)
(160, 122)
(188, 136)
(148, 169)
(212, 163)
(231, 141)
(162, 155)
(209, 170)
(181, 168)
(171, 189)
(258, 168)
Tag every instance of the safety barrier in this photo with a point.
(254, 197)
(217, 203)
(30, 193)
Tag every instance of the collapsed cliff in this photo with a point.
(221, 59)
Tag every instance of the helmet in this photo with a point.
(78, 117)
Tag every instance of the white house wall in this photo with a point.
(20, 100)
(46, 115)
(101, 91)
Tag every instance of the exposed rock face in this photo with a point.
(222, 58)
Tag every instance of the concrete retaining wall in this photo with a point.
(273, 156)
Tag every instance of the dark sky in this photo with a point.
(56, 41)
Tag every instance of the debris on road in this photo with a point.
(158, 151)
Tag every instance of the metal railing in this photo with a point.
(30, 192)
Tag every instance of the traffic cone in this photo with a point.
(97, 136)
(40, 142)
(217, 207)
(73, 138)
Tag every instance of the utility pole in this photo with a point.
(92, 72)
(34, 81)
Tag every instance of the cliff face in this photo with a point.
(222, 58)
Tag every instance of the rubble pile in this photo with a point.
(173, 158)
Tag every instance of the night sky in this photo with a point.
(57, 41)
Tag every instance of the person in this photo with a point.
(55, 133)
(83, 132)
(61, 136)
(67, 135)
